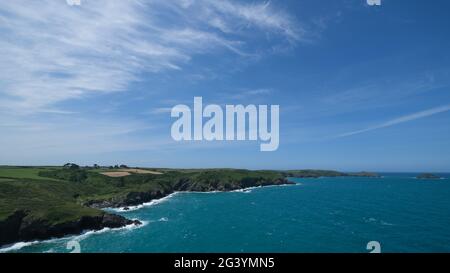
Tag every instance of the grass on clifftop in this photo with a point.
(53, 201)
(23, 172)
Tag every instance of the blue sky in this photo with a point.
(359, 87)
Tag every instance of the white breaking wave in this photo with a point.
(246, 190)
(103, 230)
(17, 246)
(206, 192)
(148, 204)
(84, 235)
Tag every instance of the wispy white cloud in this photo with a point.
(399, 120)
(164, 110)
(161, 110)
(73, 136)
(52, 52)
(252, 93)
(260, 91)
(261, 15)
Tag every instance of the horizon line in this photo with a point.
(236, 168)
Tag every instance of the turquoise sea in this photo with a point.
(400, 212)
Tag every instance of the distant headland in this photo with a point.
(327, 173)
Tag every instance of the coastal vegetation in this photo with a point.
(46, 202)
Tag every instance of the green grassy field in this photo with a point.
(23, 172)
(44, 199)
(5, 179)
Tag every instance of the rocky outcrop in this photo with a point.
(10, 227)
(428, 176)
(22, 226)
(138, 198)
(18, 227)
(130, 199)
(186, 185)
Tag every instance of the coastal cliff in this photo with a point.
(54, 202)
(19, 226)
(183, 185)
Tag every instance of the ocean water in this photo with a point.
(403, 214)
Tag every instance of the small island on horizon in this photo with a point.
(428, 176)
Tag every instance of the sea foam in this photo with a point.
(80, 237)
(148, 204)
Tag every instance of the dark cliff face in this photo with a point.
(137, 198)
(187, 185)
(130, 199)
(10, 226)
(28, 223)
(18, 227)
